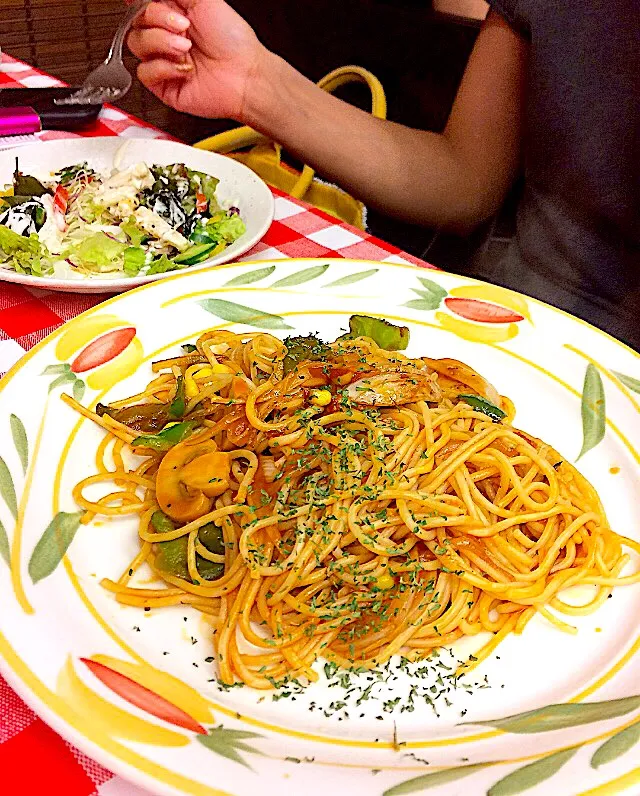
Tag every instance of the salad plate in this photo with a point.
(546, 712)
(105, 215)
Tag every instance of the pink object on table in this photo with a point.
(26, 317)
(19, 121)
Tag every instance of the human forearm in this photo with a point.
(409, 173)
(211, 63)
(454, 179)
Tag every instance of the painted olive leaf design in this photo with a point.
(560, 717)
(300, 277)
(20, 440)
(616, 746)
(5, 550)
(7, 489)
(63, 378)
(423, 304)
(593, 410)
(79, 388)
(250, 276)
(430, 296)
(53, 544)
(51, 370)
(237, 313)
(351, 279)
(533, 774)
(64, 375)
(433, 779)
(229, 743)
(628, 381)
(432, 287)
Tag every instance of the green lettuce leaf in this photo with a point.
(161, 265)
(135, 235)
(97, 252)
(134, 259)
(24, 255)
(385, 334)
(227, 229)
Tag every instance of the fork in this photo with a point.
(111, 80)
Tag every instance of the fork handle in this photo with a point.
(115, 51)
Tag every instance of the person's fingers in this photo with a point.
(159, 70)
(152, 42)
(162, 15)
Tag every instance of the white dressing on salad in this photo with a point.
(157, 227)
(50, 235)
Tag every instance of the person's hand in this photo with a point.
(197, 56)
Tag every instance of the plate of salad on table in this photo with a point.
(100, 215)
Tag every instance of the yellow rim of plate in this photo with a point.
(123, 754)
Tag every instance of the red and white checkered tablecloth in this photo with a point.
(26, 317)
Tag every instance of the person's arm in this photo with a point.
(456, 179)
(452, 180)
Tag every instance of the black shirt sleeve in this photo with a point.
(512, 12)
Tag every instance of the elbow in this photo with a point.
(477, 188)
(476, 202)
(461, 227)
(464, 216)
(468, 218)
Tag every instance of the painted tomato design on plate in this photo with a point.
(483, 313)
(95, 352)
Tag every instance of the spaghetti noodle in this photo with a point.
(343, 501)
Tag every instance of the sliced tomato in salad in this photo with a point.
(60, 205)
(61, 199)
(202, 203)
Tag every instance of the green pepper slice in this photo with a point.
(211, 537)
(179, 403)
(171, 556)
(166, 438)
(484, 406)
(385, 334)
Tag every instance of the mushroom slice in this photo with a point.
(189, 477)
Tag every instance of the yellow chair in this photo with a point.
(265, 157)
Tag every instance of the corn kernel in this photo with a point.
(320, 397)
(385, 582)
(190, 387)
(198, 371)
(220, 369)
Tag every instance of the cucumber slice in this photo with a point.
(199, 237)
(194, 254)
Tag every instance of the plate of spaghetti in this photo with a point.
(291, 524)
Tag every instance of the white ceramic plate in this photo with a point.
(239, 187)
(181, 734)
